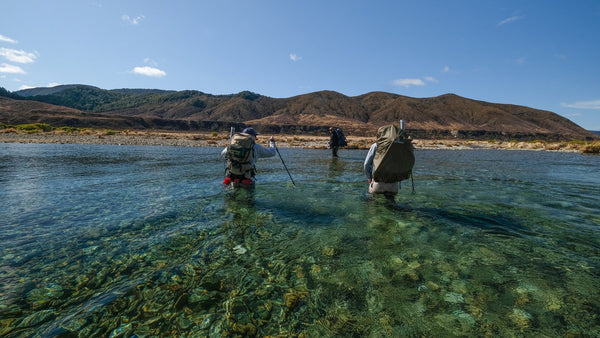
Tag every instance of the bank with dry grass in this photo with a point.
(41, 133)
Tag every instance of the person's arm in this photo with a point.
(368, 165)
(260, 151)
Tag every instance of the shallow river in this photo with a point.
(144, 241)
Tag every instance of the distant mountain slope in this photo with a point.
(443, 115)
(44, 91)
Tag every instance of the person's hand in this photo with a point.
(370, 182)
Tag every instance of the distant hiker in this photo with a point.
(241, 155)
(336, 140)
(389, 161)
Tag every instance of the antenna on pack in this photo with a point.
(402, 125)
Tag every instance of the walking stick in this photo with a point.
(286, 169)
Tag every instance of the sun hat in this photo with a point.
(250, 131)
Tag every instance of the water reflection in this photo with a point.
(336, 169)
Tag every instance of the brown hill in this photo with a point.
(445, 116)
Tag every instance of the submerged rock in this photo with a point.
(454, 297)
(239, 250)
(36, 318)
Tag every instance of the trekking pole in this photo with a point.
(286, 169)
(231, 132)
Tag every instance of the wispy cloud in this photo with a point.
(7, 39)
(446, 69)
(509, 20)
(295, 57)
(150, 62)
(560, 56)
(430, 79)
(19, 56)
(408, 82)
(149, 71)
(132, 21)
(594, 104)
(11, 69)
(521, 60)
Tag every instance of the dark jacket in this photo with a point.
(333, 140)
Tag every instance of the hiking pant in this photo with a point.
(383, 188)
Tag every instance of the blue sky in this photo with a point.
(543, 54)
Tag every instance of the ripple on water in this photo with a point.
(142, 241)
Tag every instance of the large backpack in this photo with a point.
(341, 137)
(240, 155)
(394, 158)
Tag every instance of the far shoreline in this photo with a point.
(214, 139)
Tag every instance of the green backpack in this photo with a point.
(394, 158)
(240, 155)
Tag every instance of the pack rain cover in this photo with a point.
(240, 153)
(394, 158)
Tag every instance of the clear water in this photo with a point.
(143, 241)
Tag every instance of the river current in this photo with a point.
(135, 241)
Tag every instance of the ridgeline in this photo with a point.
(446, 116)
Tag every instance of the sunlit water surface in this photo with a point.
(144, 241)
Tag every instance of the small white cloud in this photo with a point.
(594, 104)
(446, 69)
(7, 39)
(431, 79)
(149, 71)
(509, 20)
(19, 56)
(11, 69)
(132, 21)
(408, 82)
(521, 60)
(53, 84)
(295, 57)
(25, 87)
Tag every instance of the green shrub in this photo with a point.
(109, 132)
(35, 127)
(592, 148)
(215, 134)
(71, 129)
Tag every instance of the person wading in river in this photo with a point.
(241, 155)
(389, 161)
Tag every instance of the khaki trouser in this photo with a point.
(383, 188)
